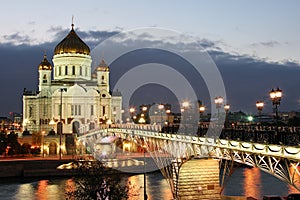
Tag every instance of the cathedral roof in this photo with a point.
(72, 44)
(45, 65)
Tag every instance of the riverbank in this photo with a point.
(33, 167)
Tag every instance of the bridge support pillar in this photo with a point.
(199, 179)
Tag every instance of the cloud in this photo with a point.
(271, 43)
(247, 79)
(16, 38)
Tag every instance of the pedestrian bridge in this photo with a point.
(171, 151)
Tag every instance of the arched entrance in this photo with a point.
(75, 127)
(52, 148)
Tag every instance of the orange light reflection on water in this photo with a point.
(42, 193)
(251, 182)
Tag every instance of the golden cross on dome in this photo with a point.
(72, 22)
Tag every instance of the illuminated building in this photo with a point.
(77, 97)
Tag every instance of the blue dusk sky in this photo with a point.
(254, 42)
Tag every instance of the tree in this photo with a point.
(12, 142)
(25, 148)
(95, 181)
(3, 142)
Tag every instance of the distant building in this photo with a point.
(76, 96)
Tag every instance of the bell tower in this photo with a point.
(103, 76)
(45, 69)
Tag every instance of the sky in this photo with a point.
(255, 44)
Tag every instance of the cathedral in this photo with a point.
(71, 98)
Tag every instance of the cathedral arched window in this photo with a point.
(73, 70)
(80, 71)
(45, 78)
(102, 78)
(92, 109)
(66, 70)
(86, 69)
(30, 111)
(59, 71)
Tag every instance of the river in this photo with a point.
(243, 182)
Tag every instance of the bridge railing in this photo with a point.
(256, 134)
(276, 150)
(233, 145)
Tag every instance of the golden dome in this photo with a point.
(45, 65)
(72, 44)
(102, 66)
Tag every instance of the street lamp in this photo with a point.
(60, 120)
(219, 101)
(160, 107)
(144, 108)
(259, 106)
(185, 115)
(201, 110)
(275, 96)
(168, 112)
(43, 135)
(226, 108)
(131, 110)
(185, 104)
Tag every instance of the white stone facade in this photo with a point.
(83, 95)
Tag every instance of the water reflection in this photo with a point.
(243, 182)
(256, 183)
(252, 182)
(157, 187)
(42, 192)
(24, 191)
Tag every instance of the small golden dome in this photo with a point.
(45, 65)
(72, 44)
(102, 66)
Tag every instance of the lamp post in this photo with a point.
(160, 107)
(43, 135)
(60, 120)
(145, 190)
(219, 101)
(275, 96)
(184, 116)
(131, 110)
(259, 106)
(226, 108)
(168, 119)
(99, 110)
(201, 111)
